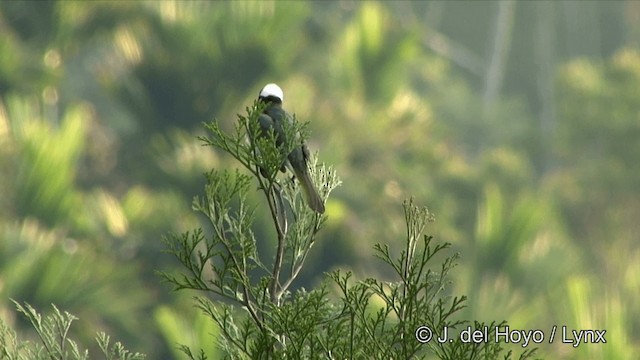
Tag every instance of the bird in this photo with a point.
(272, 119)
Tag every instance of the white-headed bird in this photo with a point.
(271, 120)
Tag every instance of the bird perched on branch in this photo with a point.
(272, 118)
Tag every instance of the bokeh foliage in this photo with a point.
(101, 103)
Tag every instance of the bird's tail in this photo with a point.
(313, 198)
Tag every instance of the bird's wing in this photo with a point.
(269, 123)
(305, 153)
(266, 124)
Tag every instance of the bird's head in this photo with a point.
(271, 93)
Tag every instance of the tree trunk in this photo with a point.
(545, 58)
(499, 51)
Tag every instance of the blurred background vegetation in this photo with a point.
(517, 123)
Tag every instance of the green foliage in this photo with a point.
(54, 342)
(226, 262)
(596, 188)
(47, 155)
(43, 265)
(514, 258)
(537, 188)
(374, 54)
(603, 151)
(381, 318)
(189, 328)
(45, 254)
(370, 319)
